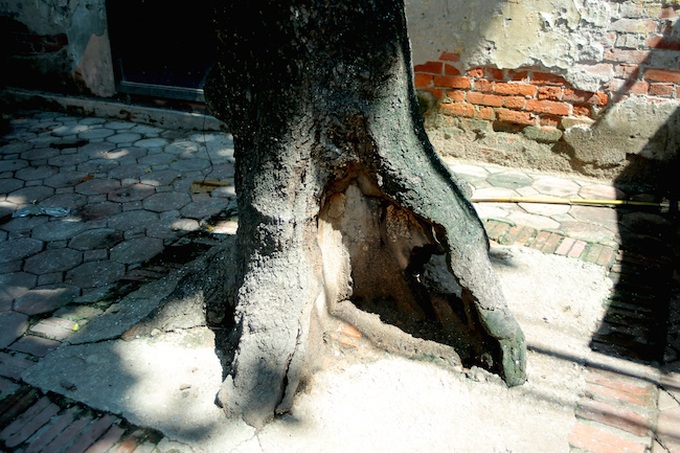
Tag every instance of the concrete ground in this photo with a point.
(100, 219)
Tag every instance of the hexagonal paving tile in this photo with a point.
(30, 195)
(97, 186)
(18, 249)
(12, 165)
(12, 326)
(167, 201)
(58, 230)
(33, 173)
(99, 238)
(132, 220)
(96, 133)
(95, 274)
(557, 187)
(53, 260)
(134, 192)
(46, 299)
(136, 250)
(98, 211)
(15, 285)
(39, 154)
(8, 185)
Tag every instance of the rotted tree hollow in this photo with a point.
(344, 205)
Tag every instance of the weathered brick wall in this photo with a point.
(637, 72)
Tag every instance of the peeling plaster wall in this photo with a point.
(59, 44)
(590, 86)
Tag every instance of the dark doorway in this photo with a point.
(160, 48)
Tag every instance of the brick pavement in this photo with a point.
(132, 216)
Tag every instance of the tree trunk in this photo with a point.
(342, 199)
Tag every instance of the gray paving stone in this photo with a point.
(100, 238)
(33, 173)
(55, 260)
(534, 221)
(166, 201)
(607, 217)
(118, 125)
(46, 299)
(23, 224)
(92, 134)
(36, 346)
(72, 201)
(222, 172)
(190, 164)
(171, 225)
(557, 187)
(98, 211)
(136, 250)
(545, 209)
(151, 142)
(128, 171)
(70, 130)
(12, 326)
(39, 154)
(134, 192)
(68, 160)
(160, 177)
(12, 165)
(15, 148)
(50, 279)
(183, 148)
(15, 285)
(601, 192)
(128, 153)
(157, 159)
(98, 166)
(128, 137)
(19, 249)
(97, 186)
(95, 274)
(57, 230)
(66, 179)
(132, 220)
(510, 180)
(204, 207)
(97, 149)
(8, 185)
(30, 195)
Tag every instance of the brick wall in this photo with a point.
(641, 58)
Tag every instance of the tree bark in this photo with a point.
(341, 195)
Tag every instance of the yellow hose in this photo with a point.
(663, 205)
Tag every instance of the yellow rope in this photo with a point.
(664, 205)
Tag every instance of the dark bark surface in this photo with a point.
(341, 196)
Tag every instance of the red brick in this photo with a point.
(476, 72)
(582, 110)
(435, 92)
(57, 426)
(32, 424)
(549, 120)
(431, 67)
(540, 240)
(634, 25)
(516, 89)
(21, 421)
(577, 249)
(68, 434)
(551, 93)
(514, 102)
(551, 244)
(512, 116)
(627, 71)
(495, 229)
(486, 113)
(518, 235)
(585, 97)
(661, 90)
(596, 440)
(16, 403)
(494, 73)
(484, 85)
(466, 110)
(662, 75)
(565, 246)
(456, 95)
(452, 82)
(518, 76)
(423, 80)
(107, 441)
(626, 56)
(490, 100)
(614, 416)
(91, 434)
(54, 328)
(547, 79)
(668, 12)
(449, 56)
(630, 87)
(664, 43)
(617, 384)
(551, 107)
(451, 70)
(601, 392)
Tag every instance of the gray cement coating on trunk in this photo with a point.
(364, 399)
